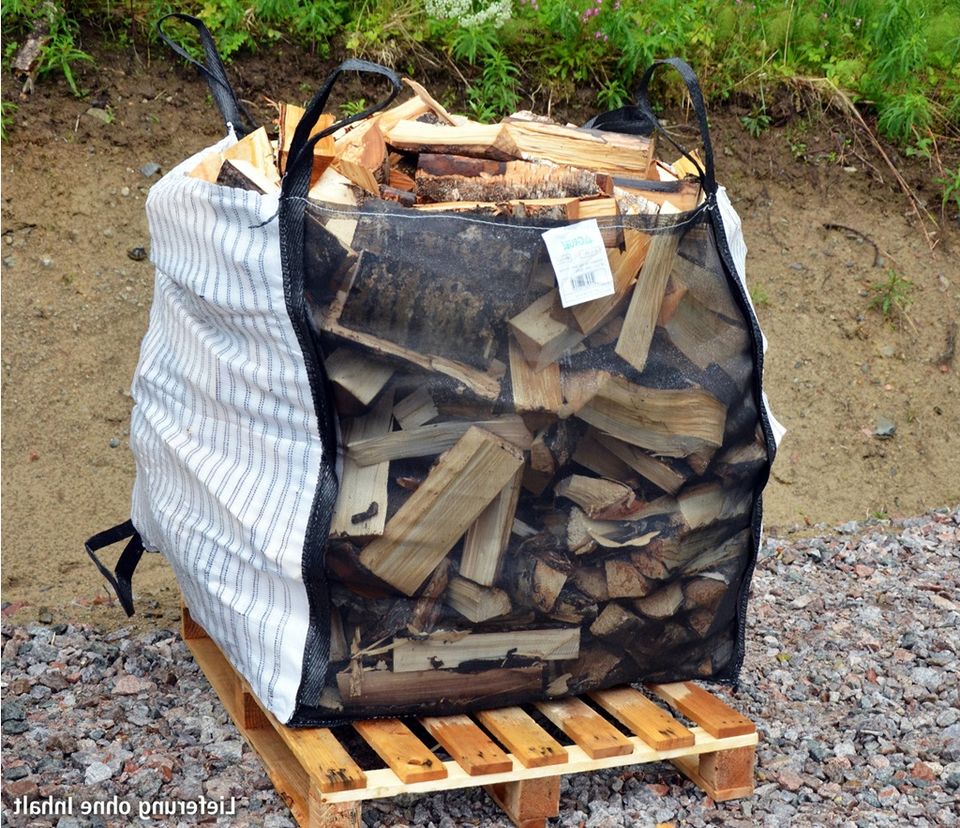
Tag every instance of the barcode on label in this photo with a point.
(582, 280)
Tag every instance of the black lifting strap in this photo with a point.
(213, 71)
(121, 579)
(639, 119)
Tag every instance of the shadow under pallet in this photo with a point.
(506, 751)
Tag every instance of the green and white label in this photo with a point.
(579, 259)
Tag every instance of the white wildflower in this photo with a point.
(471, 13)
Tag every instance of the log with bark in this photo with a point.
(606, 152)
(447, 178)
(451, 650)
(375, 690)
(536, 574)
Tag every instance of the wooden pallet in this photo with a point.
(325, 787)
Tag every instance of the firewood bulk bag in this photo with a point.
(415, 460)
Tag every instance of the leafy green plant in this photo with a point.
(904, 116)
(7, 111)
(9, 48)
(251, 25)
(896, 60)
(756, 123)
(387, 31)
(612, 95)
(950, 181)
(892, 296)
(60, 52)
(759, 296)
(923, 148)
(353, 107)
(494, 94)
(473, 43)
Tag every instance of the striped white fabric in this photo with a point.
(224, 431)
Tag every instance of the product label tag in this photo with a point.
(579, 259)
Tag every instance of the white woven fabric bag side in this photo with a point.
(224, 431)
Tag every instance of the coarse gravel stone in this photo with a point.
(97, 772)
(14, 727)
(11, 711)
(851, 674)
(16, 772)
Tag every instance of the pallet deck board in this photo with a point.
(404, 753)
(382, 782)
(712, 714)
(467, 744)
(645, 718)
(516, 730)
(586, 727)
(325, 787)
(318, 748)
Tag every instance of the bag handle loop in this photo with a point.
(230, 107)
(121, 579)
(296, 179)
(639, 119)
(708, 177)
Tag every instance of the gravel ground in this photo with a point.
(851, 674)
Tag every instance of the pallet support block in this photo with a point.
(333, 814)
(325, 788)
(253, 716)
(724, 775)
(530, 803)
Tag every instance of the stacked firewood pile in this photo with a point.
(534, 499)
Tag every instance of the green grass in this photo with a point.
(950, 181)
(353, 107)
(756, 123)
(61, 54)
(759, 296)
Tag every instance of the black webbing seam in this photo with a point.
(296, 183)
(121, 579)
(731, 674)
(641, 119)
(709, 183)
